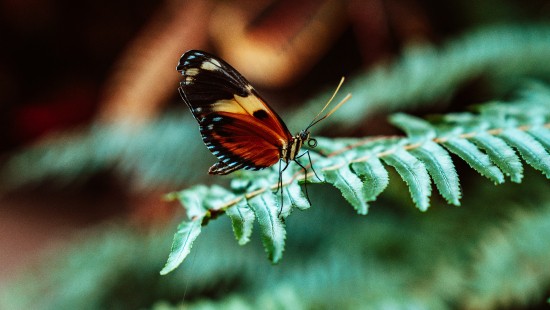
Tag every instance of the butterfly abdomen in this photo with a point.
(290, 150)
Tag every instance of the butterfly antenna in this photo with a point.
(348, 96)
(328, 102)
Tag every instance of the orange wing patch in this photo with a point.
(255, 107)
(239, 141)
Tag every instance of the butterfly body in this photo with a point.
(236, 124)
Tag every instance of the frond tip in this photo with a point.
(487, 141)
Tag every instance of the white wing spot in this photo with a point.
(189, 80)
(210, 127)
(192, 71)
(210, 65)
(215, 62)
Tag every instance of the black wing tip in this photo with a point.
(188, 58)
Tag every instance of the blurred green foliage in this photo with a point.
(490, 252)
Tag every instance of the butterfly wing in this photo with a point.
(236, 124)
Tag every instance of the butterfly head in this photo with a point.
(304, 136)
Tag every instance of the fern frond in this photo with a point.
(183, 240)
(271, 225)
(530, 149)
(414, 173)
(475, 158)
(441, 169)
(501, 154)
(423, 153)
(350, 185)
(373, 175)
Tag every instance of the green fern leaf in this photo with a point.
(501, 154)
(216, 197)
(542, 135)
(373, 175)
(194, 201)
(271, 227)
(350, 185)
(475, 158)
(293, 194)
(181, 246)
(531, 150)
(242, 221)
(441, 169)
(199, 201)
(414, 173)
(434, 157)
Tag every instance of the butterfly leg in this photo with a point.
(311, 164)
(280, 182)
(305, 177)
(280, 185)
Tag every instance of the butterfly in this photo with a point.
(235, 122)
